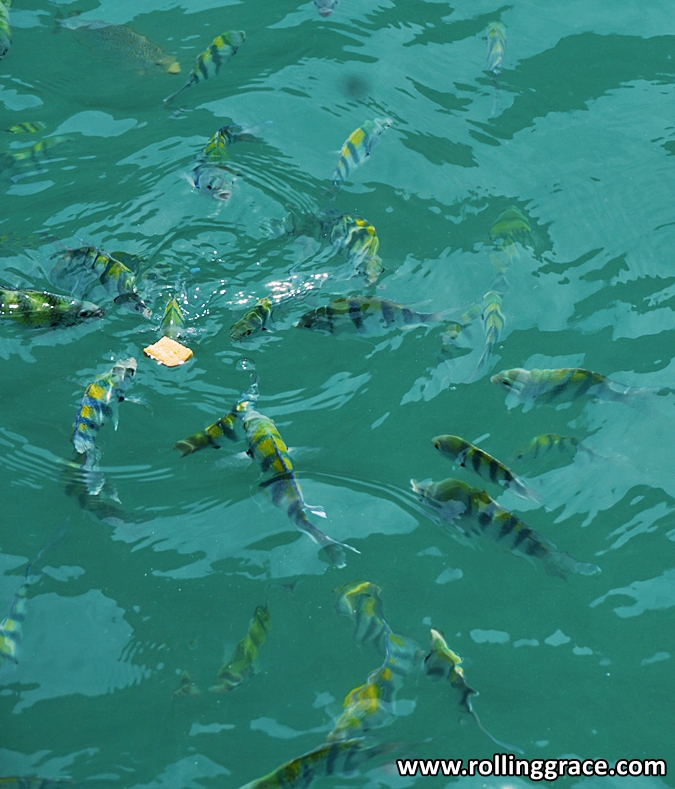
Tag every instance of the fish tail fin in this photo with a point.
(559, 563)
(501, 744)
(522, 490)
(170, 98)
(333, 548)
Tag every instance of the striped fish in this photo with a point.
(216, 148)
(367, 707)
(209, 63)
(187, 687)
(37, 153)
(215, 181)
(240, 666)
(370, 316)
(253, 322)
(362, 602)
(452, 500)
(40, 308)
(564, 384)
(268, 449)
(5, 30)
(99, 403)
(357, 148)
(544, 443)
(357, 239)
(326, 7)
(221, 428)
(493, 324)
(330, 758)
(173, 320)
(26, 127)
(443, 663)
(91, 263)
(496, 39)
(510, 227)
(469, 456)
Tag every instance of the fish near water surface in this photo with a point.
(366, 707)
(26, 127)
(44, 309)
(173, 320)
(240, 666)
(357, 148)
(496, 41)
(35, 154)
(472, 457)
(214, 181)
(493, 325)
(453, 500)
(325, 7)
(253, 322)
(99, 403)
(357, 240)
(370, 316)
(209, 62)
(546, 442)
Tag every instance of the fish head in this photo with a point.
(449, 445)
(243, 329)
(124, 371)
(326, 7)
(170, 65)
(215, 182)
(512, 380)
(316, 320)
(88, 311)
(420, 489)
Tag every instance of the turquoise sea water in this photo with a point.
(577, 133)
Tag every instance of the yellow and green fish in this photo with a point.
(452, 500)
(357, 240)
(187, 687)
(369, 316)
(561, 385)
(496, 40)
(253, 322)
(268, 449)
(5, 30)
(240, 665)
(472, 457)
(221, 428)
(37, 153)
(493, 325)
(511, 226)
(357, 148)
(99, 403)
(362, 602)
(216, 148)
(209, 63)
(173, 320)
(40, 308)
(544, 443)
(367, 707)
(26, 127)
(443, 663)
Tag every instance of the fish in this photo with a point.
(366, 707)
(5, 30)
(187, 687)
(467, 455)
(37, 152)
(330, 758)
(357, 148)
(511, 226)
(326, 7)
(548, 441)
(125, 42)
(564, 384)
(99, 403)
(443, 663)
(253, 322)
(216, 147)
(266, 446)
(496, 39)
(26, 127)
(221, 428)
(370, 316)
(493, 324)
(240, 665)
(212, 180)
(83, 481)
(362, 602)
(357, 239)
(209, 63)
(452, 499)
(94, 264)
(44, 309)
(173, 320)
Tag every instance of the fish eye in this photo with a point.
(506, 382)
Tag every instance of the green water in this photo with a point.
(577, 133)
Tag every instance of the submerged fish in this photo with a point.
(5, 30)
(187, 687)
(330, 758)
(548, 441)
(443, 663)
(40, 308)
(469, 456)
(37, 153)
(209, 63)
(367, 707)
(357, 148)
(99, 403)
(267, 447)
(326, 7)
(452, 499)
(253, 322)
(496, 39)
(221, 428)
(216, 147)
(212, 180)
(26, 127)
(493, 324)
(567, 383)
(122, 40)
(357, 239)
(510, 227)
(90, 264)
(369, 315)
(362, 602)
(173, 320)
(240, 666)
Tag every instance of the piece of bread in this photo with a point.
(168, 352)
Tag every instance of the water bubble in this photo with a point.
(245, 364)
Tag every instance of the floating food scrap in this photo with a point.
(168, 352)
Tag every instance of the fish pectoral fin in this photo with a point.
(316, 510)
